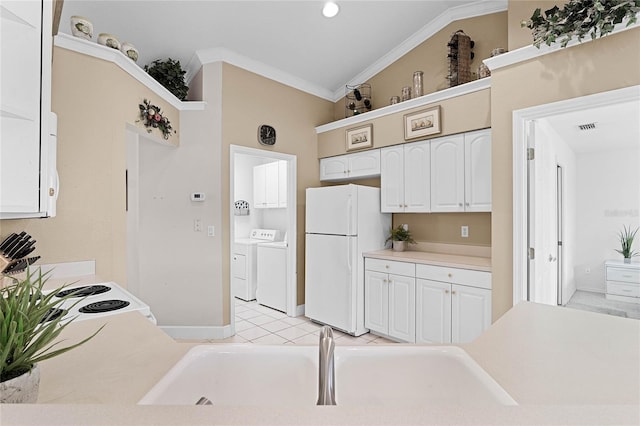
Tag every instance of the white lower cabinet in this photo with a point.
(389, 289)
(450, 312)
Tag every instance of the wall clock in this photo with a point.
(266, 135)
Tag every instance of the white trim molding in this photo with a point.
(99, 51)
(531, 52)
(521, 121)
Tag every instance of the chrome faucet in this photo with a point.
(326, 378)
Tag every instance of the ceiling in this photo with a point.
(290, 39)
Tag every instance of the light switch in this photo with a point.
(211, 231)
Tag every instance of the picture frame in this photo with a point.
(359, 137)
(422, 123)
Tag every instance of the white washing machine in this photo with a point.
(244, 263)
(272, 275)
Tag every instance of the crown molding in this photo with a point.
(452, 92)
(531, 52)
(99, 51)
(220, 54)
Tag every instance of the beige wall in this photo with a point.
(488, 32)
(249, 100)
(94, 100)
(605, 64)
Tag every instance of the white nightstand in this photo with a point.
(623, 281)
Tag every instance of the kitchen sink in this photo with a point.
(394, 375)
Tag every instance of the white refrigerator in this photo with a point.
(342, 222)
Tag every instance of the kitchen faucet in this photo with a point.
(326, 378)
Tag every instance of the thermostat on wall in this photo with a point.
(197, 196)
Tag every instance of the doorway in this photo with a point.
(560, 196)
(281, 217)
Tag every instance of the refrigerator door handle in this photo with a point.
(349, 255)
(349, 216)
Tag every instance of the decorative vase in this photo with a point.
(417, 84)
(399, 245)
(81, 27)
(22, 389)
(108, 40)
(130, 51)
(627, 260)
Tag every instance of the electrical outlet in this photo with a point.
(587, 270)
(464, 231)
(197, 225)
(405, 226)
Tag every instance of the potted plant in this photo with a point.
(580, 18)
(170, 74)
(626, 241)
(399, 237)
(27, 335)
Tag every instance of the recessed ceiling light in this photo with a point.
(330, 9)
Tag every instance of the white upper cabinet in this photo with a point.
(270, 185)
(25, 108)
(282, 183)
(405, 178)
(461, 172)
(359, 165)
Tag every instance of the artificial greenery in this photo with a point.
(626, 241)
(580, 18)
(170, 74)
(25, 336)
(400, 234)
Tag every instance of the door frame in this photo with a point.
(292, 275)
(522, 119)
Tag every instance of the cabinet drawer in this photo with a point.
(390, 267)
(623, 274)
(467, 277)
(632, 290)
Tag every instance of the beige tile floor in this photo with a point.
(262, 325)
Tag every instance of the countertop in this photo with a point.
(463, 261)
(561, 365)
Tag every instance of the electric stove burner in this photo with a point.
(104, 306)
(88, 290)
(52, 314)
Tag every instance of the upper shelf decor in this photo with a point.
(422, 123)
(81, 27)
(360, 137)
(152, 118)
(357, 99)
(460, 57)
(170, 74)
(580, 18)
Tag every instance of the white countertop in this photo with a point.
(561, 365)
(432, 258)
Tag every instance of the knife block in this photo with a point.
(5, 263)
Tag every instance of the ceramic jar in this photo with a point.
(108, 40)
(130, 51)
(406, 93)
(81, 27)
(22, 389)
(394, 100)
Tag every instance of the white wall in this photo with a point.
(608, 197)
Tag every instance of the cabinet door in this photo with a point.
(402, 307)
(333, 168)
(392, 179)
(470, 312)
(364, 164)
(433, 311)
(271, 184)
(282, 183)
(417, 177)
(376, 301)
(477, 157)
(447, 174)
(259, 188)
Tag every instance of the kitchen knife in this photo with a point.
(25, 251)
(5, 243)
(19, 252)
(11, 252)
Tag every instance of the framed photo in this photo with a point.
(422, 123)
(360, 137)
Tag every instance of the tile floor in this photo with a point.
(262, 325)
(597, 302)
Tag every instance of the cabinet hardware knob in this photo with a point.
(446, 292)
(459, 204)
(453, 292)
(449, 275)
(406, 205)
(466, 204)
(386, 266)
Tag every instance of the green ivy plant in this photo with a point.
(26, 337)
(580, 18)
(170, 74)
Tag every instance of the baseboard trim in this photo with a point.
(213, 332)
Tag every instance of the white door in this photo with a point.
(392, 179)
(470, 312)
(417, 180)
(330, 280)
(402, 307)
(376, 301)
(447, 174)
(477, 171)
(332, 210)
(433, 311)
